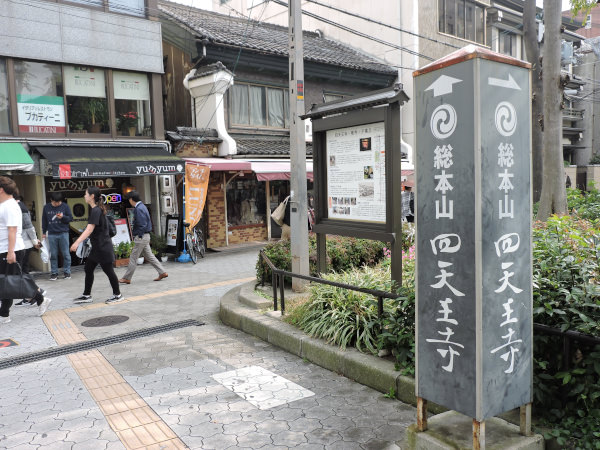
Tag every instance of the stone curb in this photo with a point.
(365, 369)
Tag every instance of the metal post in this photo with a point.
(281, 290)
(274, 279)
(478, 435)
(379, 307)
(525, 420)
(298, 200)
(421, 414)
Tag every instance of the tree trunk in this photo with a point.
(532, 50)
(554, 196)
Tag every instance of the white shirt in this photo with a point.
(10, 216)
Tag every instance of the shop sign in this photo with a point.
(40, 114)
(83, 81)
(131, 86)
(196, 184)
(113, 169)
(356, 173)
(111, 199)
(78, 185)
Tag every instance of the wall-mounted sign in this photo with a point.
(40, 114)
(78, 185)
(356, 173)
(65, 171)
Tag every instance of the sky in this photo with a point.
(565, 4)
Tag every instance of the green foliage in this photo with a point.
(585, 205)
(158, 244)
(123, 250)
(343, 253)
(391, 393)
(343, 317)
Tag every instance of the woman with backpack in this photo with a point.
(102, 248)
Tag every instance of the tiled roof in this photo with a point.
(268, 146)
(201, 135)
(268, 38)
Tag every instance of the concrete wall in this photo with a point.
(588, 70)
(70, 34)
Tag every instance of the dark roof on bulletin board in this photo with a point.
(267, 38)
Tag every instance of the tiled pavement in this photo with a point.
(163, 390)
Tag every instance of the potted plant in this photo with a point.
(128, 122)
(78, 128)
(96, 108)
(122, 253)
(158, 244)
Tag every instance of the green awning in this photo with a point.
(13, 156)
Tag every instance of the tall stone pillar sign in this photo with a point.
(473, 203)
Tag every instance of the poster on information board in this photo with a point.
(356, 173)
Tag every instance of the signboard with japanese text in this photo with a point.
(473, 204)
(356, 173)
(40, 114)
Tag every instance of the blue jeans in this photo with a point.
(59, 241)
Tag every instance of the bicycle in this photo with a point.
(194, 240)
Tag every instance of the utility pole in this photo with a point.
(298, 200)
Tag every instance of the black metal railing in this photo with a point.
(568, 337)
(278, 277)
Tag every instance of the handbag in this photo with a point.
(18, 285)
(45, 251)
(279, 213)
(84, 249)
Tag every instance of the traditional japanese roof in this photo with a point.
(267, 38)
(265, 146)
(200, 135)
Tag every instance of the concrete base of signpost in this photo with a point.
(452, 430)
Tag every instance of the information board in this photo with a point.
(355, 161)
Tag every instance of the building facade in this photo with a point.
(235, 72)
(81, 95)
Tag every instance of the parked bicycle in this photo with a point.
(194, 240)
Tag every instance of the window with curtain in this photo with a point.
(87, 107)
(258, 106)
(462, 18)
(40, 102)
(131, 7)
(4, 100)
(132, 103)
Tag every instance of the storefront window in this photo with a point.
(40, 101)
(4, 103)
(132, 103)
(87, 108)
(246, 202)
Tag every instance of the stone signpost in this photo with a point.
(473, 203)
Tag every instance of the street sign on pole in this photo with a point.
(473, 203)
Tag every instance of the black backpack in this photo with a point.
(112, 228)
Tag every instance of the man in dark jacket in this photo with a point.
(55, 224)
(142, 226)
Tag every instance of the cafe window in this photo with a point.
(40, 103)
(461, 18)
(4, 100)
(132, 104)
(253, 105)
(87, 107)
(246, 202)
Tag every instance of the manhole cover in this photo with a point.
(104, 321)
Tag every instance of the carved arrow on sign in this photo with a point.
(509, 84)
(443, 85)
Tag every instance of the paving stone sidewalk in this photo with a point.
(178, 381)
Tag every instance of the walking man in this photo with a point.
(55, 223)
(408, 201)
(12, 248)
(142, 226)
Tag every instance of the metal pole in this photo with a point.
(298, 200)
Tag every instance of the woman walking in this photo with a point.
(102, 248)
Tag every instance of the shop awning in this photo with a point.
(13, 156)
(110, 161)
(265, 170)
(269, 170)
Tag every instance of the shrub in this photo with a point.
(345, 317)
(343, 253)
(584, 205)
